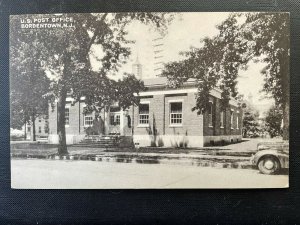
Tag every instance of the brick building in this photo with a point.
(164, 117)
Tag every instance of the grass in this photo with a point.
(245, 148)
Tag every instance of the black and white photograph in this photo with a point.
(150, 100)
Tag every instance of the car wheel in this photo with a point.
(269, 165)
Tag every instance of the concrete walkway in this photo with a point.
(50, 174)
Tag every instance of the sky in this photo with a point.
(186, 30)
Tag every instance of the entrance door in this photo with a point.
(114, 123)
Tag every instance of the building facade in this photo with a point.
(41, 128)
(164, 117)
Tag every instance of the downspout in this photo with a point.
(56, 117)
(79, 116)
(132, 129)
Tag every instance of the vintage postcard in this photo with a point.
(150, 100)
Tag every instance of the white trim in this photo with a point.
(144, 102)
(175, 100)
(70, 99)
(143, 125)
(213, 92)
(176, 125)
(233, 103)
(210, 116)
(231, 118)
(181, 91)
(222, 119)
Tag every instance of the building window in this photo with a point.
(231, 119)
(40, 130)
(144, 113)
(115, 119)
(112, 120)
(28, 129)
(210, 114)
(88, 120)
(67, 116)
(222, 119)
(176, 113)
(40, 119)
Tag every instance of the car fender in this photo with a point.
(281, 156)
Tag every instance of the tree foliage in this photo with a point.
(29, 85)
(273, 121)
(251, 126)
(242, 37)
(67, 54)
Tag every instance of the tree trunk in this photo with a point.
(61, 131)
(25, 134)
(33, 128)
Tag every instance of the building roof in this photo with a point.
(163, 81)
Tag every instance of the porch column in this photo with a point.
(121, 122)
(106, 119)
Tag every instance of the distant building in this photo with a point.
(41, 128)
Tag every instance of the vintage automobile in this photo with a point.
(271, 157)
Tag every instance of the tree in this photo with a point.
(216, 64)
(67, 55)
(273, 121)
(242, 37)
(29, 85)
(251, 127)
(269, 35)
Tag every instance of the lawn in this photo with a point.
(244, 148)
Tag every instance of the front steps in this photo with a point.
(96, 141)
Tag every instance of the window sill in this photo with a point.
(175, 125)
(210, 126)
(143, 125)
(222, 127)
(67, 125)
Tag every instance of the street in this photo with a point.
(50, 174)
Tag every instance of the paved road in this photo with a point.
(50, 174)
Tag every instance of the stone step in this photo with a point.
(94, 145)
(98, 141)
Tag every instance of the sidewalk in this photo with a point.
(230, 156)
